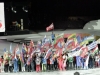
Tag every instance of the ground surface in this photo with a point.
(82, 72)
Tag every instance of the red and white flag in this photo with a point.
(50, 27)
(84, 51)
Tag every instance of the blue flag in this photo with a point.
(79, 39)
(4, 50)
(10, 48)
(78, 61)
(59, 45)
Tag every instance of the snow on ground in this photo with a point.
(82, 72)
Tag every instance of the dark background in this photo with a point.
(43, 12)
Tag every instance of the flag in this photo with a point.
(86, 62)
(78, 39)
(89, 38)
(16, 48)
(30, 49)
(58, 38)
(18, 51)
(95, 50)
(53, 37)
(31, 44)
(71, 45)
(78, 61)
(59, 45)
(4, 50)
(24, 49)
(48, 53)
(92, 45)
(43, 40)
(50, 27)
(72, 36)
(84, 51)
(85, 40)
(68, 42)
(22, 56)
(74, 53)
(10, 48)
(98, 41)
(5, 53)
(32, 53)
(28, 60)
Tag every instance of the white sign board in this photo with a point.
(2, 18)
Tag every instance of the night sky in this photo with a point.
(43, 12)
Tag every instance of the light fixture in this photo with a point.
(13, 10)
(25, 9)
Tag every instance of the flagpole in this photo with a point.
(53, 31)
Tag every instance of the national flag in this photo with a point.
(43, 40)
(18, 51)
(57, 53)
(78, 61)
(31, 43)
(5, 53)
(32, 53)
(84, 51)
(79, 39)
(39, 44)
(53, 37)
(74, 53)
(68, 43)
(31, 47)
(83, 42)
(72, 36)
(98, 41)
(16, 48)
(4, 50)
(58, 38)
(72, 44)
(47, 42)
(95, 50)
(86, 62)
(22, 56)
(24, 49)
(48, 53)
(50, 27)
(10, 48)
(61, 51)
(90, 38)
(59, 45)
(92, 45)
(28, 60)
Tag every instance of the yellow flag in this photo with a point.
(72, 36)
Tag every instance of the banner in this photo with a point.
(2, 19)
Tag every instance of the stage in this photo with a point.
(82, 72)
(21, 32)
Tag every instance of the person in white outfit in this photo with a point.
(96, 61)
(65, 60)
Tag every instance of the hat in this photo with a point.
(76, 73)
